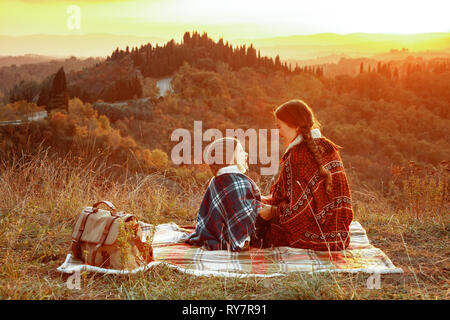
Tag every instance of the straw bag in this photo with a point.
(109, 239)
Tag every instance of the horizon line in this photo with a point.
(250, 38)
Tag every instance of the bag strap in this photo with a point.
(103, 238)
(107, 203)
(76, 249)
(82, 226)
(94, 210)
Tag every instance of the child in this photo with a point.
(230, 206)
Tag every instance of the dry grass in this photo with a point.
(40, 198)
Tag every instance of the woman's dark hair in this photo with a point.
(297, 114)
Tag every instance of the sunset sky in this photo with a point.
(229, 19)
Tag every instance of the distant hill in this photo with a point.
(15, 73)
(307, 47)
(121, 74)
(355, 38)
(6, 61)
(86, 45)
(402, 54)
(118, 77)
(302, 47)
(336, 64)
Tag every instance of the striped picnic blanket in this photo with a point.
(169, 249)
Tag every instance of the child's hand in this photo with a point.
(266, 212)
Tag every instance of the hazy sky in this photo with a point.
(228, 18)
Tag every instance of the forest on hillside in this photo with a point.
(384, 115)
(27, 77)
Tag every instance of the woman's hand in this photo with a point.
(266, 212)
(266, 199)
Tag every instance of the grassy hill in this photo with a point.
(41, 197)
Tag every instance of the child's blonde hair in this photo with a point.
(218, 153)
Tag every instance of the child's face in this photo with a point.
(241, 158)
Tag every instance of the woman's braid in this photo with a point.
(312, 146)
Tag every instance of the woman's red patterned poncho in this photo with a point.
(306, 216)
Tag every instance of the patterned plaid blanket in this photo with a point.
(169, 249)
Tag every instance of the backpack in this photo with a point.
(109, 239)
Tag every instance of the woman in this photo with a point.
(227, 214)
(311, 203)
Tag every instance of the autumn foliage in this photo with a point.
(384, 115)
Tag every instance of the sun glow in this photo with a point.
(232, 18)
